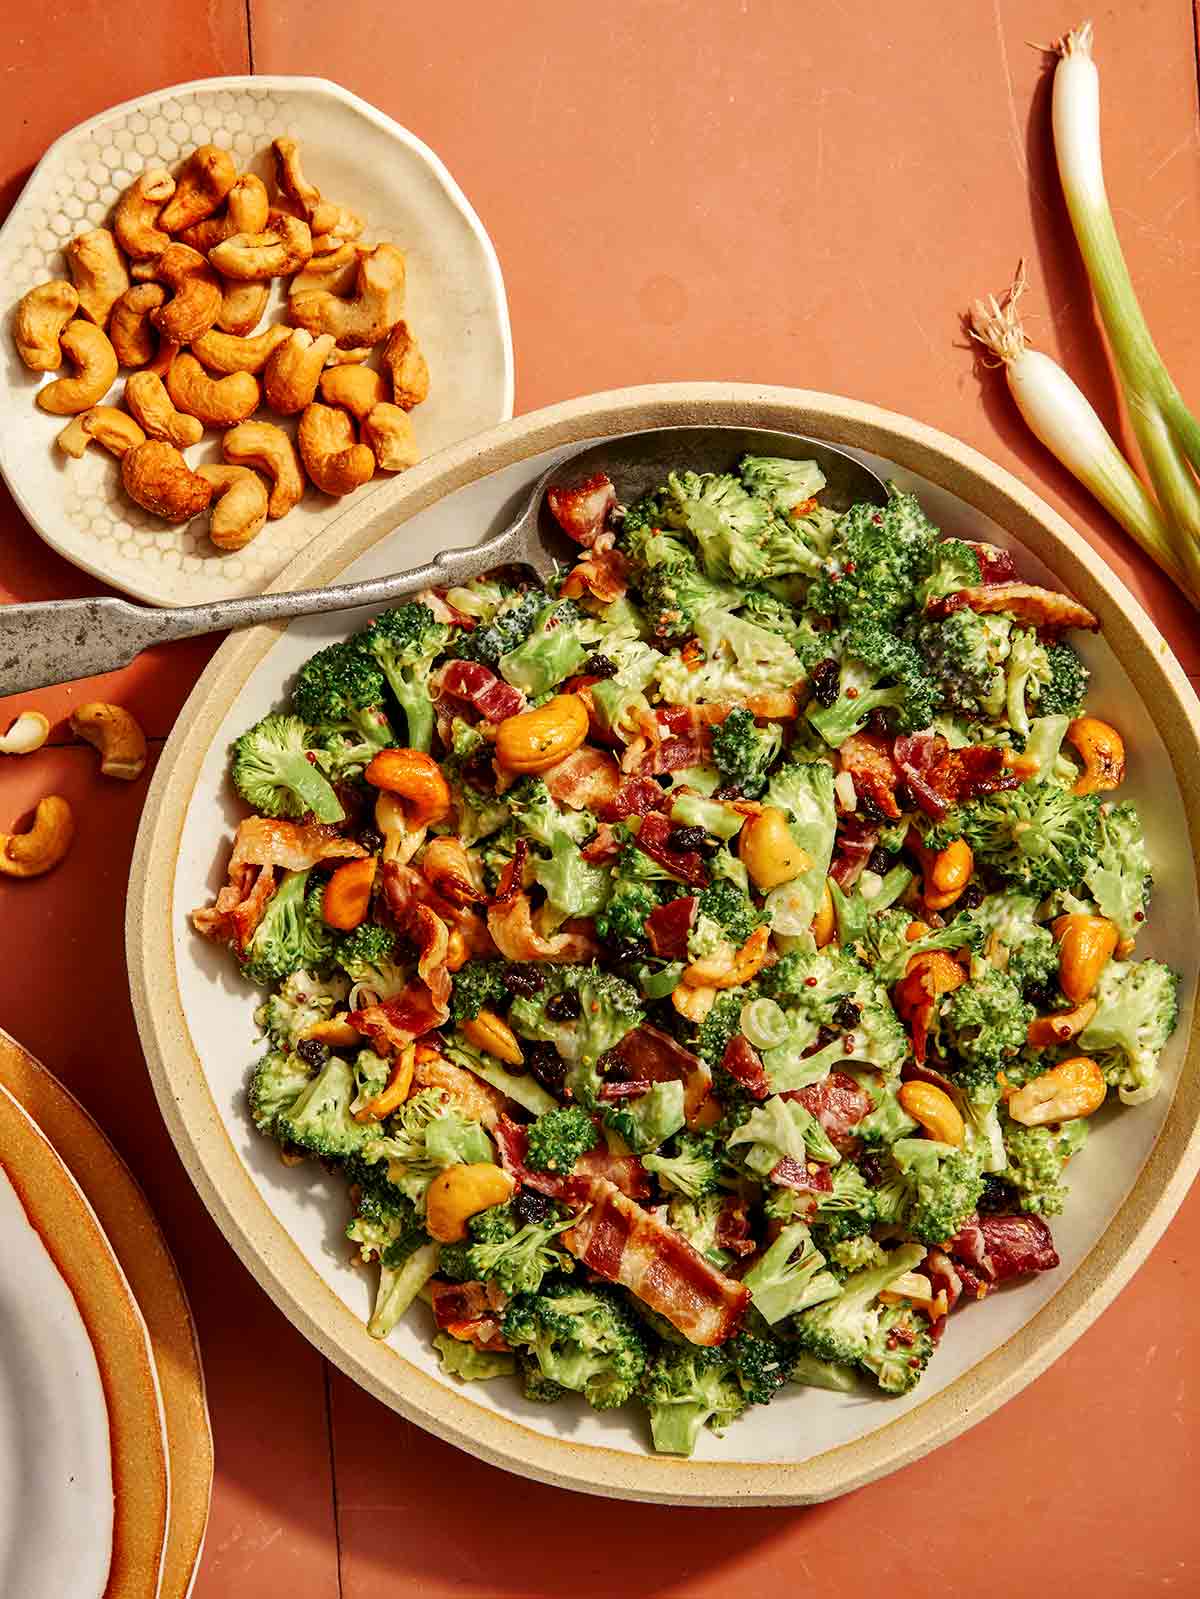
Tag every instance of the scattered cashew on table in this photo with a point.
(114, 732)
(173, 292)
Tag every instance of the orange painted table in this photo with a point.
(677, 189)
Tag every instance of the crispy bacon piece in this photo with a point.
(991, 1249)
(432, 938)
(868, 759)
(401, 1020)
(943, 1279)
(266, 843)
(1028, 602)
(653, 1056)
(475, 1098)
(465, 1311)
(856, 838)
(449, 870)
(517, 939)
(509, 886)
(653, 839)
(995, 565)
(234, 917)
(732, 1231)
(625, 1244)
(404, 888)
(581, 509)
(668, 926)
(838, 1103)
(626, 1172)
(676, 754)
(602, 573)
(587, 780)
(603, 848)
(939, 777)
(743, 1063)
(637, 796)
(476, 685)
(806, 1177)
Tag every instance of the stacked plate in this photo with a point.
(105, 1447)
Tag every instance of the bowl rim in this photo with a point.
(268, 83)
(261, 1241)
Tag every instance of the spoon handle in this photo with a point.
(60, 640)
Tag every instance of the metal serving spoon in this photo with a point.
(60, 640)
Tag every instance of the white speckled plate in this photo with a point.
(357, 156)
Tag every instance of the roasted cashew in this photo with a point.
(239, 505)
(116, 734)
(144, 271)
(460, 1192)
(268, 447)
(165, 359)
(31, 853)
(1085, 947)
(28, 733)
(88, 348)
(42, 314)
(242, 306)
(246, 208)
(196, 301)
(409, 372)
(137, 214)
(1073, 1088)
(1060, 1026)
(335, 223)
(533, 741)
(355, 388)
(113, 428)
(250, 257)
(933, 1108)
(147, 397)
(160, 480)
(334, 270)
(225, 352)
(129, 327)
(416, 780)
(206, 178)
(768, 851)
(332, 457)
(217, 402)
(98, 272)
(352, 357)
(371, 315)
(493, 1035)
(305, 196)
(293, 370)
(388, 433)
(1102, 751)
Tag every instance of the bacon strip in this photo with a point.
(267, 841)
(400, 1021)
(839, 1104)
(732, 1231)
(653, 839)
(868, 759)
(581, 509)
(625, 1172)
(637, 796)
(432, 938)
(466, 1313)
(511, 926)
(478, 686)
(939, 777)
(804, 1176)
(743, 1063)
(991, 1249)
(475, 1098)
(588, 779)
(668, 926)
(856, 838)
(995, 565)
(1028, 602)
(654, 1056)
(602, 573)
(625, 1244)
(234, 917)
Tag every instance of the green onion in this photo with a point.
(764, 1023)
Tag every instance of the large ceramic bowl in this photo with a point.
(286, 1224)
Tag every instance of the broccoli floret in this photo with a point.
(984, 1022)
(645, 1121)
(551, 652)
(815, 981)
(697, 1220)
(367, 956)
(1119, 876)
(584, 1339)
(510, 625)
(844, 1329)
(739, 659)
(735, 913)
(303, 1000)
(742, 751)
(722, 1022)
(608, 1008)
(276, 1082)
(1064, 692)
(955, 566)
(887, 951)
(790, 1276)
(273, 773)
(689, 1387)
(880, 557)
(1013, 941)
(460, 1359)
(557, 1139)
(478, 985)
(319, 1120)
(427, 1134)
(644, 516)
(880, 672)
(784, 482)
(780, 1127)
(1137, 1009)
(386, 1226)
(405, 642)
(292, 935)
(623, 919)
(944, 1186)
(339, 692)
(728, 524)
(1038, 836)
(537, 815)
(514, 1256)
(692, 1169)
(860, 1253)
(675, 593)
(965, 655)
(535, 1386)
(887, 1120)
(1027, 671)
(899, 1348)
(1036, 1158)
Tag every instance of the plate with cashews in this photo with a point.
(199, 1037)
(235, 308)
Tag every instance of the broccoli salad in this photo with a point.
(702, 970)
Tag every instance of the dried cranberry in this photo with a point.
(970, 897)
(879, 861)
(727, 791)
(371, 840)
(688, 838)
(904, 797)
(564, 1007)
(545, 1065)
(826, 678)
(998, 1197)
(600, 666)
(312, 1052)
(871, 1167)
(846, 1013)
(530, 1207)
(1043, 996)
(825, 1035)
(478, 771)
(523, 979)
(869, 808)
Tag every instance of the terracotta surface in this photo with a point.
(794, 194)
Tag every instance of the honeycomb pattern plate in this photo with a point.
(455, 304)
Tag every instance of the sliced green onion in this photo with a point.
(764, 1023)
